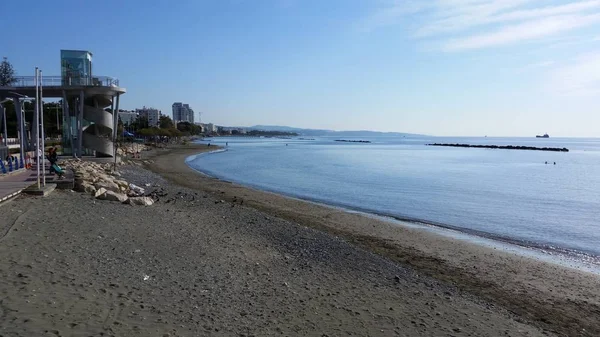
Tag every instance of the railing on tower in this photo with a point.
(57, 81)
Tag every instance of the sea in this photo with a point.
(547, 201)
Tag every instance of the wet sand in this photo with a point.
(212, 258)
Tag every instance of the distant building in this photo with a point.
(153, 115)
(182, 113)
(127, 117)
(209, 128)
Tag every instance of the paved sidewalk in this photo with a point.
(12, 184)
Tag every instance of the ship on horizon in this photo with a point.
(544, 136)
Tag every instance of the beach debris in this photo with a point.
(157, 194)
(136, 190)
(140, 201)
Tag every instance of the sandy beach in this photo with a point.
(213, 258)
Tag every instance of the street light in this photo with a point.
(4, 119)
(21, 98)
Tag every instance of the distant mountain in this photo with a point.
(321, 132)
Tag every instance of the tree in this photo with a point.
(174, 132)
(7, 73)
(165, 122)
(147, 132)
(141, 122)
(189, 128)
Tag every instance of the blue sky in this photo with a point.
(441, 67)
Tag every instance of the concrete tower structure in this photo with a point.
(89, 128)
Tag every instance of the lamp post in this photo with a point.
(37, 125)
(22, 98)
(42, 133)
(57, 120)
(5, 135)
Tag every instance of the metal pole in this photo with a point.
(37, 126)
(115, 130)
(80, 125)
(4, 122)
(21, 121)
(42, 133)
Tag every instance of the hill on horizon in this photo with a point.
(324, 132)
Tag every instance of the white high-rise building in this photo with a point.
(182, 113)
(153, 115)
(209, 128)
(127, 117)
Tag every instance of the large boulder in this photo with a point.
(100, 177)
(84, 175)
(100, 193)
(114, 196)
(108, 185)
(141, 201)
(121, 183)
(85, 186)
(89, 189)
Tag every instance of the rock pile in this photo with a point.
(100, 181)
(132, 150)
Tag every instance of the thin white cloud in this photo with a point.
(522, 32)
(485, 23)
(578, 77)
(391, 14)
(543, 64)
(456, 16)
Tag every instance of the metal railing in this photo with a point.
(57, 81)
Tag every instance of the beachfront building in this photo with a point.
(127, 117)
(182, 113)
(89, 127)
(151, 114)
(209, 128)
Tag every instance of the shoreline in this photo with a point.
(586, 260)
(559, 298)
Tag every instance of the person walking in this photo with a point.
(52, 158)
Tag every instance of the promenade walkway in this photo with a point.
(14, 183)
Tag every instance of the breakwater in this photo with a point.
(505, 147)
(352, 141)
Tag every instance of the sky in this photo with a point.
(438, 67)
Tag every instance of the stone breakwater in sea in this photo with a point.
(104, 183)
(352, 141)
(505, 147)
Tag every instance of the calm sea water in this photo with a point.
(504, 194)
